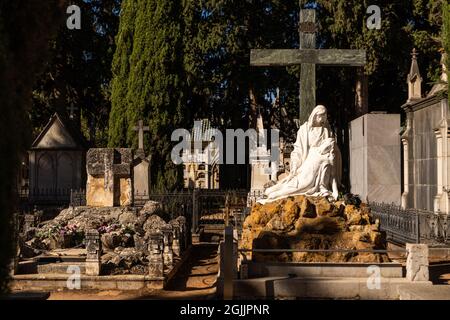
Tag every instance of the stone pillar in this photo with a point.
(228, 262)
(184, 234)
(168, 252)
(405, 138)
(417, 262)
(441, 199)
(156, 261)
(29, 222)
(93, 253)
(176, 247)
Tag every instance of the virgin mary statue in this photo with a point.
(315, 162)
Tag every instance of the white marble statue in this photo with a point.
(315, 162)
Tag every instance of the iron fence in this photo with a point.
(78, 198)
(412, 225)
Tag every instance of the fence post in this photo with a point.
(194, 211)
(228, 267)
(417, 227)
(417, 262)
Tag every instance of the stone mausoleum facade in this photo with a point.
(426, 145)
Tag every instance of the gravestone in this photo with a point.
(141, 167)
(375, 160)
(260, 161)
(109, 177)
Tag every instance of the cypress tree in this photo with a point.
(147, 85)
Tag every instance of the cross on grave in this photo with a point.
(141, 129)
(308, 57)
(72, 110)
(113, 166)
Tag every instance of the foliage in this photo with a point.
(148, 83)
(446, 37)
(25, 29)
(79, 71)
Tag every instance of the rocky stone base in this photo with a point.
(313, 223)
(125, 235)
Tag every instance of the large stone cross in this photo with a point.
(308, 57)
(141, 129)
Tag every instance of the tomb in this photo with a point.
(425, 140)
(56, 162)
(109, 182)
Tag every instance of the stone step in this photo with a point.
(320, 288)
(60, 268)
(436, 292)
(323, 269)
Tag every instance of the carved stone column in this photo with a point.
(93, 253)
(441, 199)
(406, 139)
(156, 261)
(176, 247)
(168, 239)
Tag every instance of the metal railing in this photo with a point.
(412, 225)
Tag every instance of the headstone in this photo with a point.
(109, 177)
(141, 167)
(93, 253)
(417, 262)
(156, 260)
(260, 161)
(375, 160)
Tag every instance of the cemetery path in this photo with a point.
(195, 280)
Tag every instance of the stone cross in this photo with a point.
(308, 57)
(72, 110)
(141, 129)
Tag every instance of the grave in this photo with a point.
(56, 162)
(109, 182)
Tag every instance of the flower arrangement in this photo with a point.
(64, 235)
(108, 228)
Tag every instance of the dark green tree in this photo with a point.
(148, 83)
(26, 26)
(79, 71)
